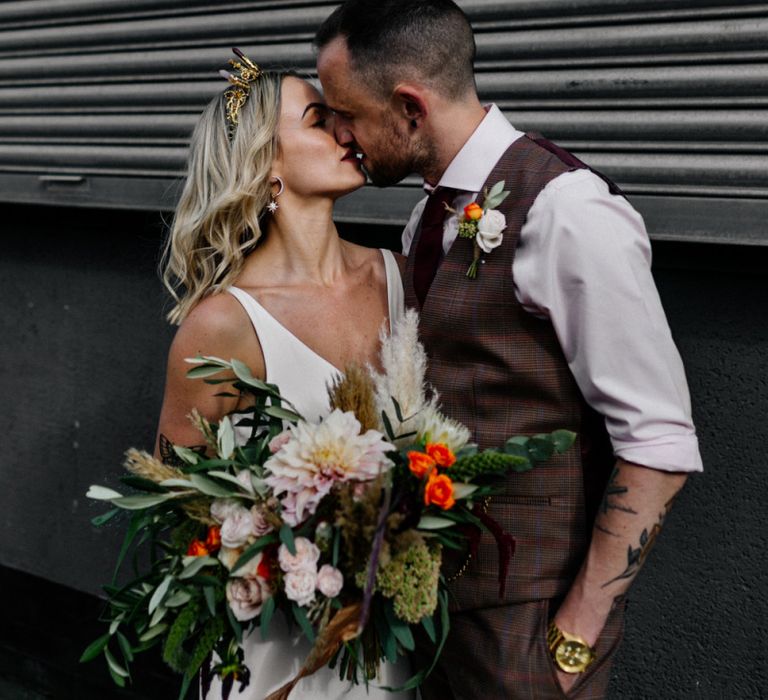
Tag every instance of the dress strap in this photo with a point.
(395, 294)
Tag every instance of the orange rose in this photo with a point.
(441, 453)
(473, 211)
(439, 492)
(197, 549)
(213, 541)
(420, 463)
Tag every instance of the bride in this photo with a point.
(258, 272)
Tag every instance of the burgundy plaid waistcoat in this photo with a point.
(501, 372)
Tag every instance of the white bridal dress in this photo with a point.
(302, 376)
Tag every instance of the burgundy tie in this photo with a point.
(430, 248)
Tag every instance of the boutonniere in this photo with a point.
(483, 224)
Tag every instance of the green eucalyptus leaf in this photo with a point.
(115, 667)
(432, 522)
(286, 537)
(267, 610)
(282, 413)
(225, 438)
(159, 593)
(252, 550)
(186, 455)
(99, 520)
(209, 487)
(203, 371)
(301, 617)
(462, 490)
(102, 493)
(540, 448)
(178, 598)
(210, 599)
(125, 647)
(400, 628)
(498, 188)
(178, 483)
(94, 648)
(429, 626)
(141, 502)
(192, 565)
(153, 632)
(563, 440)
(160, 612)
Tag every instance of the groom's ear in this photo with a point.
(410, 103)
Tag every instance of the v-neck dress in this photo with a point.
(303, 376)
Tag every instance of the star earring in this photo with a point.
(273, 206)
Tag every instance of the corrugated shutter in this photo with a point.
(669, 97)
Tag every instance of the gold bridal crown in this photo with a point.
(237, 95)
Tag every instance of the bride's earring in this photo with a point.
(273, 205)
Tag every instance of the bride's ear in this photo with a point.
(410, 104)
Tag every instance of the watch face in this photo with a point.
(572, 657)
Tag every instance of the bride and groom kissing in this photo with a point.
(560, 326)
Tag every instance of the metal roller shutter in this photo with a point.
(668, 97)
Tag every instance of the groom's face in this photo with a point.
(363, 120)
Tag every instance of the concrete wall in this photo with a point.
(82, 356)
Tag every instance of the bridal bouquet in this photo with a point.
(339, 524)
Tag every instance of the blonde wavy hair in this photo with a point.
(217, 220)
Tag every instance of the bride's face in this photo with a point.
(309, 160)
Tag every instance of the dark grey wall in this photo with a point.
(81, 371)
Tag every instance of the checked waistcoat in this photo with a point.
(501, 372)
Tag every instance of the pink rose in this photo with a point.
(237, 528)
(221, 508)
(329, 581)
(305, 558)
(300, 586)
(261, 526)
(246, 595)
(279, 440)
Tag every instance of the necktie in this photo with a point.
(429, 251)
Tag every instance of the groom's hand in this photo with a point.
(566, 680)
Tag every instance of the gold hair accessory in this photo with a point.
(237, 95)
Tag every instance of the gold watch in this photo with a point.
(571, 653)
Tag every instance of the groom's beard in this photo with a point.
(396, 157)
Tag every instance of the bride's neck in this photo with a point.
(302, 244)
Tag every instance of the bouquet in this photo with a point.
(338, 524)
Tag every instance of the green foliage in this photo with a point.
(486, 464)
(210, 634)
(174, 653)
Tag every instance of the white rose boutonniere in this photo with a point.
(484, 225)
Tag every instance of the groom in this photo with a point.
(561, 328)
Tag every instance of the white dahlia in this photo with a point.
(435, 427)
(317, 456)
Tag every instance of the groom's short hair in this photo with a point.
(393, 40)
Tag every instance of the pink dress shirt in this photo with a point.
(583, 262)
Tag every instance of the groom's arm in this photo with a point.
(631, 516)
(584, 263)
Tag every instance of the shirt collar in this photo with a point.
(473, 164)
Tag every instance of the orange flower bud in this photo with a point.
(420, 464)
(197, 549)
(213, 541)
(439, 492)
(473, 211)
(441, 453)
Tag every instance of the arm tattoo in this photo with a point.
(636, 556)
(168, 455)
(611, 501)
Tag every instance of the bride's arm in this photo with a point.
(217, 326)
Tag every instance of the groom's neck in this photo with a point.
(449, 127)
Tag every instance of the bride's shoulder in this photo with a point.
(217, 324)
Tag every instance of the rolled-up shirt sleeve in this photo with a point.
(584, 262)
